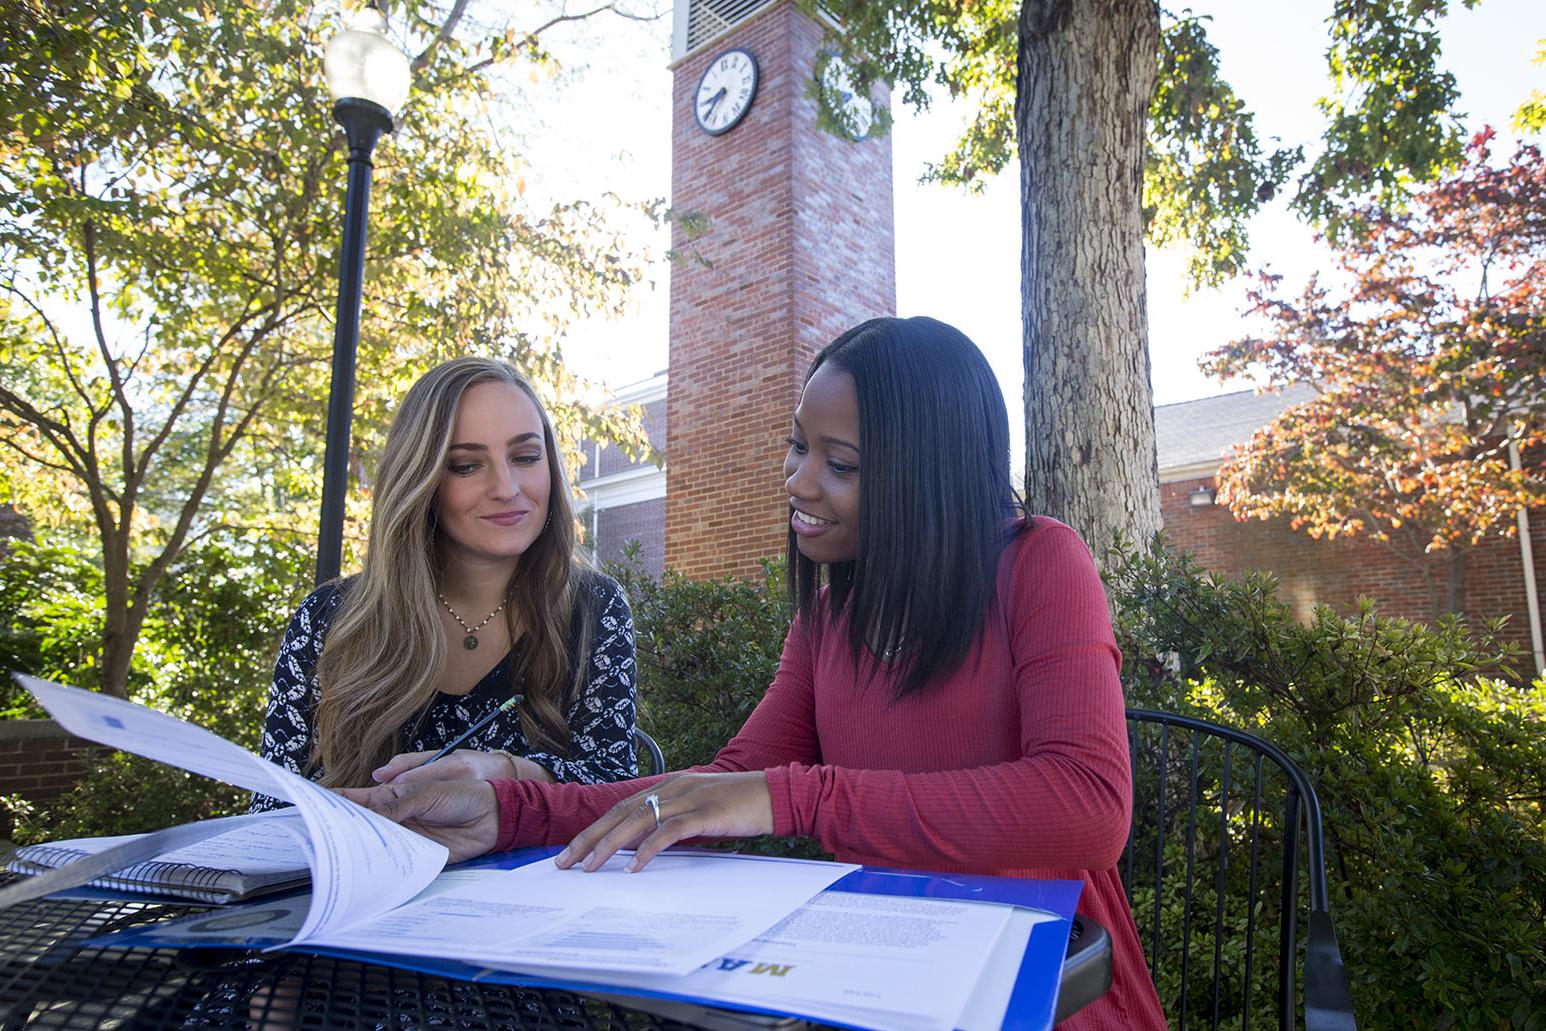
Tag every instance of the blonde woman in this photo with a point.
(472, 594)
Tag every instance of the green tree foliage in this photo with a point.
(1430, 362)
(1125, 129)
(209, 640)
(1431, 778)
(1390, 119)
(170, 208)
(1531, 115)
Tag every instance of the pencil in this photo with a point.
(485, 721)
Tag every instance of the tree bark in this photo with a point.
(118, 636)
(1087, 71)
(1458, 582)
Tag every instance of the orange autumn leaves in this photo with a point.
(1428, 348)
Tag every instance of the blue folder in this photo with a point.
(1031, 1005)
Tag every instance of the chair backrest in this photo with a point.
(648, 754)
(1224, 864)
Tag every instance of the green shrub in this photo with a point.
(125, 794)
(1432, 778)
(707, 651)
(51, 602)
(206, 655)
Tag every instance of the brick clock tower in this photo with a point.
(795, 244)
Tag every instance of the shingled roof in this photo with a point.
(1192, 437)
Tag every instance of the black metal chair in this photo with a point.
(1223, 825)
(648, 753)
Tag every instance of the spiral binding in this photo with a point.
(202, 883)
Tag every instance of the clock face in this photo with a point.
(726, 91)
(850, 109)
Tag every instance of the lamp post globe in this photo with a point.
(362, 64)
(369, 79)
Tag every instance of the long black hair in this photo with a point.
(935, 501)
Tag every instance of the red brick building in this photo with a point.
(626, 499)
(1193, 437)
(798, 245)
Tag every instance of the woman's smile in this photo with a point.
(807, 525)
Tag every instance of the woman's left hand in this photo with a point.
(692, 805)
(463, 815)
(462, 764)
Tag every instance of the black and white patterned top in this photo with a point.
(601, 718)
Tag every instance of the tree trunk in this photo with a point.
(1459, 580)
(118, 636)
(1087, 70)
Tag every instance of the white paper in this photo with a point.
(989, 1000)
(361, 864)
(880, 961)
(678, 913)
(260, 843)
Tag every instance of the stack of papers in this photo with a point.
(872, 961)
(847, 957)
(361, 864)
(369, 875)
(680, 912)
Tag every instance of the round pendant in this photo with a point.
(470, 642)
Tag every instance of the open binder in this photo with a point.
(1033, 999)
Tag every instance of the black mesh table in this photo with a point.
(49, 978)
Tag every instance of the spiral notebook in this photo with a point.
(263, 853)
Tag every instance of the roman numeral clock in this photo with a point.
(726, 91)
(790, 243)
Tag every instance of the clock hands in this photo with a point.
(713, 102)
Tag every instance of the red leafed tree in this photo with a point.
(1428, 355)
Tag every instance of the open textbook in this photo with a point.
(676, 915)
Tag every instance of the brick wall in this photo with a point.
(800, 246)
(1339, 572)
(643, 521)
(39, 760)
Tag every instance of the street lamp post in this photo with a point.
(368, 78)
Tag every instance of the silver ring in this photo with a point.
(653, 801)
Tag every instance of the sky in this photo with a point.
(614, 133)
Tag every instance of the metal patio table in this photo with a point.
(49, 978)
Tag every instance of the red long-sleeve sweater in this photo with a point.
(1016, 765)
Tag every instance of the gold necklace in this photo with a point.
(470, 642)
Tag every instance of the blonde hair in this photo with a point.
(386, 650)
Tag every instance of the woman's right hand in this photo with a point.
(462, 764)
